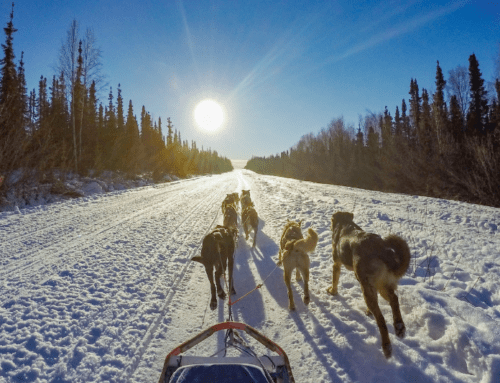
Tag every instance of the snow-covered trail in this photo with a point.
(87, 282)
(101, 288)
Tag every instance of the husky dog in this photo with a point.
(245, 199)
(231, 199)
(292, 231)
(236, 199)
(217, 252)
(294, 256)
(378, 264)
(250, 221)
(230, 217)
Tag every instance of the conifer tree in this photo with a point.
(11, 130)
(439, 109)
(477, 117)
(456, 121)
(415, 109)
(132, 142)
(170, 139)
(22, 95)
(43, 106)
(398, 126)
(32, 123)
(77, 96)
(425, 134)
(90, 127)
(120, 118)
(386, 128)
(406, 123)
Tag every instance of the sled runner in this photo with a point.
(251, 369)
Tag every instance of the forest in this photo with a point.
(65, 126)
(443, 145)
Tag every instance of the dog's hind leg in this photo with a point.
(218, 275)
(288, 280)
(213, 299)
(333, 289)
(389, 295)
(230, 265)
(371, 299)
(305, 274)
(298, 277)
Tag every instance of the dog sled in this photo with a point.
(252, 369)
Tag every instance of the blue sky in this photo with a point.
(281, 69)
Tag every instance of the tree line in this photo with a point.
(63, 125)
(446, 147)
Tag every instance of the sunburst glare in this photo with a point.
(209, 115)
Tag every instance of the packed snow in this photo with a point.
(101, 288)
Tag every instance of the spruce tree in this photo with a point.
(90, 125)
(477, 117)
(22, 95)
(456, 121)
(120, 118)
(415, 109)
(439, 109)
(406, 123)
(43, 105)
(132, 142)
(398, 125)
(386, 128)
(11, 130)
(170, 127)
(425, 134)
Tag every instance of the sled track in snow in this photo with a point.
(64, 226)
(159, 296)
(37, 263)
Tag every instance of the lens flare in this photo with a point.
(208, 115)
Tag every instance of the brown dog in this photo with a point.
(378, 264)
(250, 221)
(294, 256)
(245, 199)
(231, 199)
(292, 231)
(230, 217)
(217, 252)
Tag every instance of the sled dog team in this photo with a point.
(378, 263)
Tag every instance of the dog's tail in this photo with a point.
(401, 260)
(307, 244)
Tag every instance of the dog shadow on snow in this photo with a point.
(355, 355)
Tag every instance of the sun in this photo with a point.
(209, 115)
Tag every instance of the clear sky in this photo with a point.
(281, 69)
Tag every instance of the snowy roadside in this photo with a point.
(101, 288)
(61, 186)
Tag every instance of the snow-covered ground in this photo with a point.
(101, 288)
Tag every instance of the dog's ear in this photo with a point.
(198, 259)
(342, 216)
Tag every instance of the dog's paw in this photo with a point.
(387, 348)
(331, 291)
(307, 300)
(400, 329)
(368, 312)
(291, 307)
(221, 294)
(213, 305)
